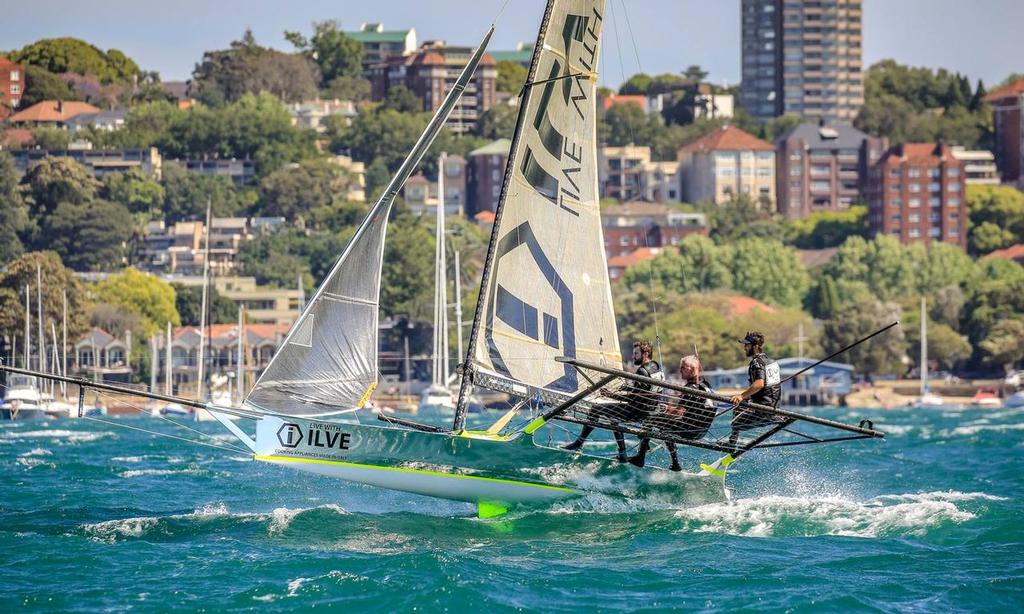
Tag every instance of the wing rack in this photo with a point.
(669, 411)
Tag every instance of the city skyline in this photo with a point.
(669, 35)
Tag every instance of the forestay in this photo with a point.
(547, 293)
(328, 362)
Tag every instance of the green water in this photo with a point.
(94, 518)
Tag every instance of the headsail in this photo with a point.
(547, 292)
(328, 362)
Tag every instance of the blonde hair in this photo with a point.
(692, 361)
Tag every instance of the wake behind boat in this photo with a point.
(543, 333)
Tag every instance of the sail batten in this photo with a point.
(546, 290)
(327, 364)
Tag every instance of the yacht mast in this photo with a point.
(202, 310)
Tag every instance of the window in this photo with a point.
(953, 201)
(15, 75)
(767, 155)
(915, 232)
(914, 218)
(894, 187)
(896, 202)
(15, 88)
(764, 172)
(914, 202)
(934, 186)
(914, 187)
(913, 172)
(952, 172)
(934, 173)
(746, 171)
(795, 171)
(894, 172)
(895, 218)
(934, 201)
(954, 232)
(796, 155)
(820, 186)
(934, 231)
(935, 218)
(954, 187)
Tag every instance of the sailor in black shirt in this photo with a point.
(636, 400)
(765, 388)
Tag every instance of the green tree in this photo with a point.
(377, 133)
(768, 271)
(698, 265)
(829, 228)
(498, 122)
(997, 214)
(348, 88)
(1004, 344)
(407, 283)
(13, 212)
(334, 53)
(145, 295)
(46, 137)
(637, 84)
(21, 273)
(628, 124)
(186, 195)
(858, 319)
(227, 75)
(71, 55)
(945, 346)
(90, 236)
(292, 193)
(188, 302)
(278, 259)
(402, 100)
(41, 84)
(52, 181)
(139, 193)
(511, 77)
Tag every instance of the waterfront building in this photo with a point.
(50, 113)
(823, 167)
(1008, 111)
(380, 45)
(99, 162)
(420, 191)
(916, 194)
(634, 225)
(101, 357)
(802, 57)
(310, 114)
(240, 172)
(979, 166)
(628, 174)
(12, 86)
(486, 170)
(725, 164)
(430, 72)
(108, 121)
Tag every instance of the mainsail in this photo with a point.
(547, 292)
(328, 362)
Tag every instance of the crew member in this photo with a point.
(689, 417)
(765, 388)
(636, 400)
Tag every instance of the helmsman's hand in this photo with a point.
(736, 399)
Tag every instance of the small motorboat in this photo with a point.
(1015, 400)
(986, 397)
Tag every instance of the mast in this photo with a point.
(924, 348)
(239, 359)
(64, 341)
(168, 372)
(28, 326)
(154, 358)
(39, 318)
(458, 303)
(202, 309)
(440, 285)
(463, 403)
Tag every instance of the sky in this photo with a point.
(980, 39)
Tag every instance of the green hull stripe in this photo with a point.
(318, 461)
(533, 426)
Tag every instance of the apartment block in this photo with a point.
(380, 45)
(979, 166)
(802, 57)
(635, 225)
(180, 249)
(421, 193)
(628, 174)
(99, 162)
(916, 194)
(824, 168)
(1008, 109)
(431, 72)
(12, 86)
(486, 170)
(727, 163)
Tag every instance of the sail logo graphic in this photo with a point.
(290, 435)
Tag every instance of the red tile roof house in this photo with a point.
(54, 113)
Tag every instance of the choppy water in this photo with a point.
(94, 518)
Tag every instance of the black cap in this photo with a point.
(747, 340)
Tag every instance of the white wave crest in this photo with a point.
(110, 531)
(135, 473)
(906, 514)
(61, 434)
(282, 517)
(37, 452)
(974, 429)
